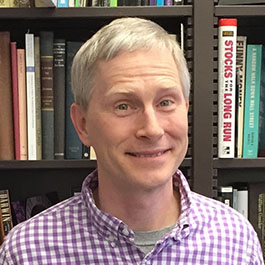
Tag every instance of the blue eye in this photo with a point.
(165, 103)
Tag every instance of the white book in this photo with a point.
(31, 96)
(242, 202)
(226, 87)
(241, 48)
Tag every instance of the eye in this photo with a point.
(122, 106)
(165, 103)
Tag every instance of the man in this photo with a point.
(131, 87)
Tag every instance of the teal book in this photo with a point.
(255, 72)
(73, 145)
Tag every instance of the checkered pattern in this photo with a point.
(75, 231)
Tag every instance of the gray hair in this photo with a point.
(122, 35)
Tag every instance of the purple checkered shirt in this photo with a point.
(75, 231)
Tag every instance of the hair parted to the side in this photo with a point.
(122, 35)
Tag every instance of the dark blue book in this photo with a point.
(73, 145)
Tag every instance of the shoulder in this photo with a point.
(225, 226)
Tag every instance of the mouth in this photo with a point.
(147, 154)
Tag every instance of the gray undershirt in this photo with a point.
(147, 240)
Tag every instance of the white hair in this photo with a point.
(122, 35)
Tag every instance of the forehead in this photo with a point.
(137, 68)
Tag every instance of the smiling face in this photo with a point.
(137, 120)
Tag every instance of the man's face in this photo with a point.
(137, 120)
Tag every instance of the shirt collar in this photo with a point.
(112, 228)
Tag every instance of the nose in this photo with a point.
(149, 125)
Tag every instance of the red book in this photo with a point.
(15, 98)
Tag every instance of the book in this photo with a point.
(6, 120)
(26, 3)
(71, 3)
(14, 3)
(257, 207)
(2, 234)
(168, 2)
(5, 3)
(14, 74)
(73, 145)
(226, 87)
(47, 94)
(45, 3)
(38, 98)
(152, 2)
(59, 97)
(255, 70)
(22, 105)
(145, 3)
(225, 194)
(241, 48)
(240, 2)
(178, 2)
(242, 200)
(159, 2)
(31, 96)
(5, 208)
(62, 3)
(261, 221)
(113, 3)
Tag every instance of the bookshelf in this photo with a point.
(201, 165)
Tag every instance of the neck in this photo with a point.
(141, 210)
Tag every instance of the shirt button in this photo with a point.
(125, 231)
(112, 244)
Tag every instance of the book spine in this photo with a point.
(226, 195)
(168, 2)
(5, 208)
(31, 96)
(5, 3)
(152, 2)
(6, 120)
(38, 98)
(14, 3)
(71, 3)
(261, 221)
(242, 202)
(62, 3)
(121, 2)
(22, 98)
(226, 87)
(261, 127)
(145, 3)
(59, 97)
(73, 145)
(15, 99)
(47, 97)
(252, 97)
(77, 3)
(113, 3)
(159, 2)
(241, 48)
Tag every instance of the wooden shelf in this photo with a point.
(95, 12)
(237, 163)
(59, 164)
(240, 10)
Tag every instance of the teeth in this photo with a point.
(153, 155)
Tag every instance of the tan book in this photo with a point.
(6, 116)
(22, 104)
(38, 97)
(5, 3)
(14, 3)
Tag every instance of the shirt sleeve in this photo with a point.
(3, 257)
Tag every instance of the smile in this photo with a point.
(147, 154)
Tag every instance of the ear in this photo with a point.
(79, 119)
